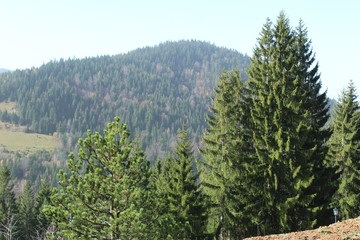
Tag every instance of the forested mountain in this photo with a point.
(153, 90)
(270, 159)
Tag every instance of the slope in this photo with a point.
(348, 229)
(152, 89)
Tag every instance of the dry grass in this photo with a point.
(14, 139)
(26, 142)
(10, 107)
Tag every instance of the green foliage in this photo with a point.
(105, 193)
(41, 200)
(183, 212)
(265, 167)
(152, 89)
(318, 106)
(21, 218)
(287, 114)
(9, 225)
(27, 214)
(344, 152)
(38, 166)
(221, 171)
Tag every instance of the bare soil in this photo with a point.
(345, 230)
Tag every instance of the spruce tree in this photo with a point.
(221, 169)
(104, 196)
(27, 217)
(163, 219)
(177, 186)
(42, 199)
(344, 154)
(280, 131)
(317, 103)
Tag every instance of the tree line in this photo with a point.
(271, 162)
(22, 217)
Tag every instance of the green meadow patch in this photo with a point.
(26, 142)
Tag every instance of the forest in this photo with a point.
(238, 146)
(153, 90)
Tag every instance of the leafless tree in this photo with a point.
(8, 229)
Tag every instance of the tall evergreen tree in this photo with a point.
(344, 153)
(159, 207)
(177, 185)
(27, 218)
(317, 104)
(42, 199)
(105, 194)
(280, 130)
(221, 168)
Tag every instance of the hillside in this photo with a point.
(154, 90)
(348, 229)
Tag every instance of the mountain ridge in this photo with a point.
(153, 89)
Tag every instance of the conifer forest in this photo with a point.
(184, 140)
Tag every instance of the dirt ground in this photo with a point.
(345, 230)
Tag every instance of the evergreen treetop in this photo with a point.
(105, 193)
(284, 93)
(344, 152)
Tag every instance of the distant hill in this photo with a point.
(153, 89)
(3, 70)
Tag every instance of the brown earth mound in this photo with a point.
(346, 230)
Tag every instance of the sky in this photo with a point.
(35, 32)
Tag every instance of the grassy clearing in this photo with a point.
(26, 142)
(10, 107)
(14, 139)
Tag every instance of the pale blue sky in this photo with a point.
(37, 31)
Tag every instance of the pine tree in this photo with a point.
(280, 130)
(221, 171)
(178, 188)
(105, 193)
(27, 217)
(344, 154)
